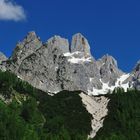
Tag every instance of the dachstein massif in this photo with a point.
(59, 65)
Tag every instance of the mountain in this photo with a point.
(59, 65)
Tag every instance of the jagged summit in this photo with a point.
(108, 59)
(58, 65)
(29, 44)
(135, 76)
(109, 70)
(32, 42)
(2, 57)
(80, 43)
(137, 67)
(31, 36)
(58, 42)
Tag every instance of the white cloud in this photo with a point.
(11, 11)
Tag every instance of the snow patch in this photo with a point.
(75, 60)
(56, 68)
(19, 77)
(71, 54)
(120, 81)
(79, 60)
(52, 93)
(106, 88)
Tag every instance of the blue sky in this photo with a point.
(111, 26)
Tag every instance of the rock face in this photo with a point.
(134, 78)
(56, 65)
(2, 57)
(80, 44)
(24, 49)
(109, 69)
(42, 68)
(52, 67)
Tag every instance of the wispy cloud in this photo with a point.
(9, 10)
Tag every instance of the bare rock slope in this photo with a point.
(59, 65)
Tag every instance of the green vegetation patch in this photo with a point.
(123, 120)
(30, 114)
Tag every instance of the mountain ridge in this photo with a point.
(59, 65)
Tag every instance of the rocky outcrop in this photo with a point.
(80, 44)
(2, 57)
(42, 66)
(134, 78)
(24, 49)
(109, 70)
(58, 42)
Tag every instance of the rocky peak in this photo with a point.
(2, 57)
(109, 70)
(137, 67)
(80, 43)
(26, 47)
(109, 60)
(58, 42)
(31, 36)
(23, 49)
(134, 78)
